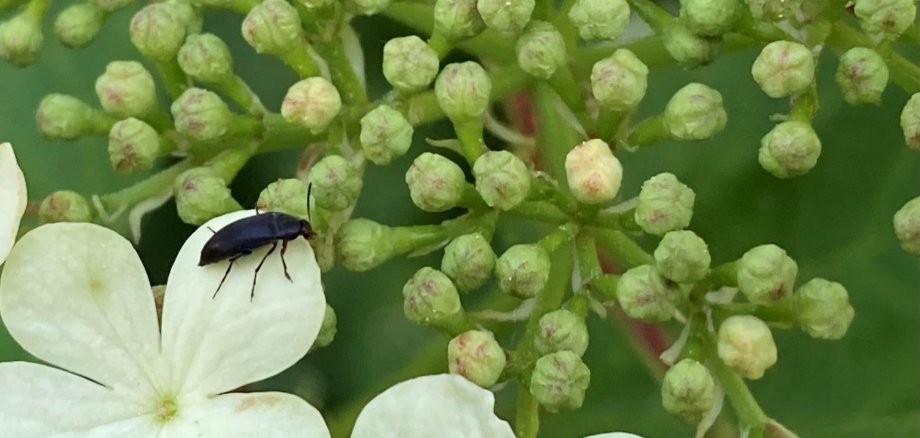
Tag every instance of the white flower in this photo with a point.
(77, 296)
(12, 199)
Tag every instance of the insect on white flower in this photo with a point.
(12, 199)
(77, 297)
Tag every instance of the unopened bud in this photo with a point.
(910, 122)
(559, 381)
(65, 206)
(385, 135)
(502, 179)
(862, 76)
(313, 103)
(823, 309)
(469, 261)
(431, 298)
(790, 149)
(63, 117)
(593, 173)
(709, 17)
(133, 145)
(202, 195)
(463, 91)
(540, 50)
(504, 16)
(665, 204)
(126, 89)
(695, 112)
(619, 81)
(885, 19)
(600, 19)
(561, 330)
(907, 226)
(327, 330)
(772, 10)
(687, 48)
(645, 295)
(362, 244)
(523, 270)
(201, 115)
(336, 183)
(784, 68)
(683, 257)
(435, 182)
(287, 196)
(746, 345)
(21, 38)
(476, 355)
(78, 24)
(206, 58)
(409, 64)
(457, 19)
(159, 29)
(688, 390)
(766, 274)
(273, 27)
(367, 7)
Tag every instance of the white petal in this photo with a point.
(12, 199)
(40, 401)
(77, 296)
(219, 344)
(443, 405)
(260, 414)
(614, 435)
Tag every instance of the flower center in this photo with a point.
(166, 409)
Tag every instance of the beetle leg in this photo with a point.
(232, 259)
(252, 292)
(284, 263)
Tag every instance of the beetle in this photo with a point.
(241, 237)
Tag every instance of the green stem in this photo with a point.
(609, 123)
(280, 134)
(903, 73)
(541, 211)
(424, 108)
(586, 251)
(174, 79)
(343, 76)
(229, 162)
(300, 61)
(556, 137)
(562, 234)
(750, 415)
(145, 189)
(624, 249)
(805, 105)
(239, 92)
(649, 131)
(656, 16)
(527, 422)
(725, 274)
(469, 133)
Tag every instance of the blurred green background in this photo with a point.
(835, 221)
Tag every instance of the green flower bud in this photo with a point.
(746, 345)
(600, 19)
(910, 122)
(327, 330)
(313, 103)
(561, 330)
(688, 390)
(468, 261)
(111, 5)
(63, 117)
(21, 39)
(862, 76)
(823, 309)
(457, 19)
(784, 68)
(559, 381)
(409, 64)
(540, 50)
(367, 7)
(336, 183)
(593, 173)
(201, 115)
(65, 206)
(709, 17)
(695, 112)
(790, 149)
(665, 204)
(907, 226)
(287, 196)
(502, 179)
(431, 298)
(463, 90)
(885, 19)
(645, 295)
(772, 10)
(206, 58)
(683, 257)
(385, 135)
(273, 27)
(314, 4)
(619, 81)
(133, 145)
(158, 30)
(202, 195)
(78, 24)
(504, 16)
(362, 244)
(126, 89)
(523, 270)
(477, 356)
(435, 182)
(687, 48)
(766, 274)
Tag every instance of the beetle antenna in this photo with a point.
(309, 191)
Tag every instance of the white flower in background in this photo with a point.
(442, 405)
(77, 296)
(12, 199)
